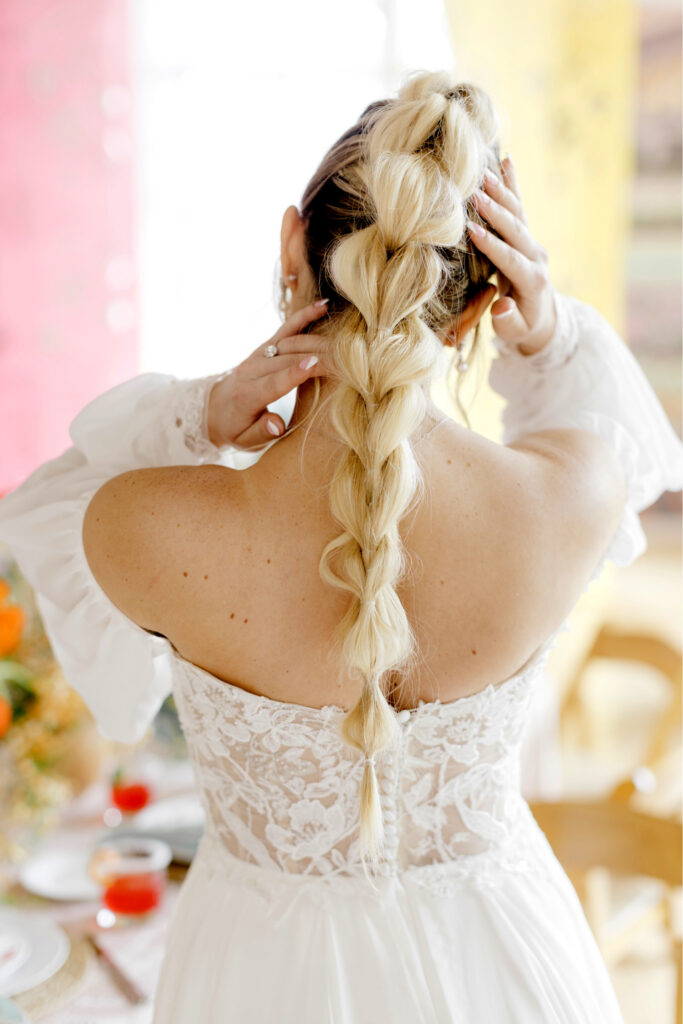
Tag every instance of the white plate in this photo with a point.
(182, 811)
(47, 944)
(14, 950)
(59, 874)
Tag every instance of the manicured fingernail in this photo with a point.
(482, 197)
(503, 312)
(490, 177)
(321, 302)
(273, 428)
(308, 362)
(477, 231)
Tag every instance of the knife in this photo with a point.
(128, 987)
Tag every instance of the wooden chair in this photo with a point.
(609, 836)
(648, 650)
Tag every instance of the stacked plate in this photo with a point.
(62, 873)
(32, 949)
(32, 946)
(177, 820)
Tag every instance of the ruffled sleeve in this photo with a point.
(587, 378)
(123, 672)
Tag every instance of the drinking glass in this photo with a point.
(132, 873)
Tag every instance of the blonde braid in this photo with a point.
(422, 155)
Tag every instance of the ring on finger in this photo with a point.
(270, 351)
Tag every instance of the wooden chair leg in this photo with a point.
(669, 723)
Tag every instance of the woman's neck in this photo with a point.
(304, 404)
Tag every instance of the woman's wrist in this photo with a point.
(214, 402)
(555, 351)
(532, 350)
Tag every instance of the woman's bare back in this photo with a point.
(225, 563)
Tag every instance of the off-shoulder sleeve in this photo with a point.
(587, 378)
(123, 672)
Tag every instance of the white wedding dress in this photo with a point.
(472, 920)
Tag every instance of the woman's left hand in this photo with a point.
(238, 412)
(524, 314)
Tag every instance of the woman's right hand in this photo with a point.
(524, 314)
(238, 404)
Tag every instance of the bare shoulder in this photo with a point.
(135, 529)
(578, 490)
(580, 466)
(545, 509)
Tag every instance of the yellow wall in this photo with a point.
(562, 74)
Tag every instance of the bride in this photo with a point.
(353, 616)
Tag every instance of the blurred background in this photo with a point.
(149, 151)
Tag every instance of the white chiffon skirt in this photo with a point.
(249, 946)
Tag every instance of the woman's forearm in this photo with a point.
(218, 397)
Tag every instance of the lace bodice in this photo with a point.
(280, 787)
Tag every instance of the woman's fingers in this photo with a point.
(297, 321)
(295, 369)
(260, 380)
(524, 312)
(240, 406)
(301, 345)
(251, 420)
(508, 225)
(503, 194)
(508, 322)
(268, 426)
(525, 274)
(289, 341)
(291, 352)
(510, 176)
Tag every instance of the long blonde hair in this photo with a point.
(385, 222)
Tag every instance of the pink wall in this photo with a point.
(67, 263)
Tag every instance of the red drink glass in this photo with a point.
(132, 873)
(130, 796)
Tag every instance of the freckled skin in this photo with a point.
(495, 533)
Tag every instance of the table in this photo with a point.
(139, 949)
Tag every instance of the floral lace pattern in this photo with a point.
(191, 418)
(280, 787)
(192, 422)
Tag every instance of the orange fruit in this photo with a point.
(5, 715)
(12, 620)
